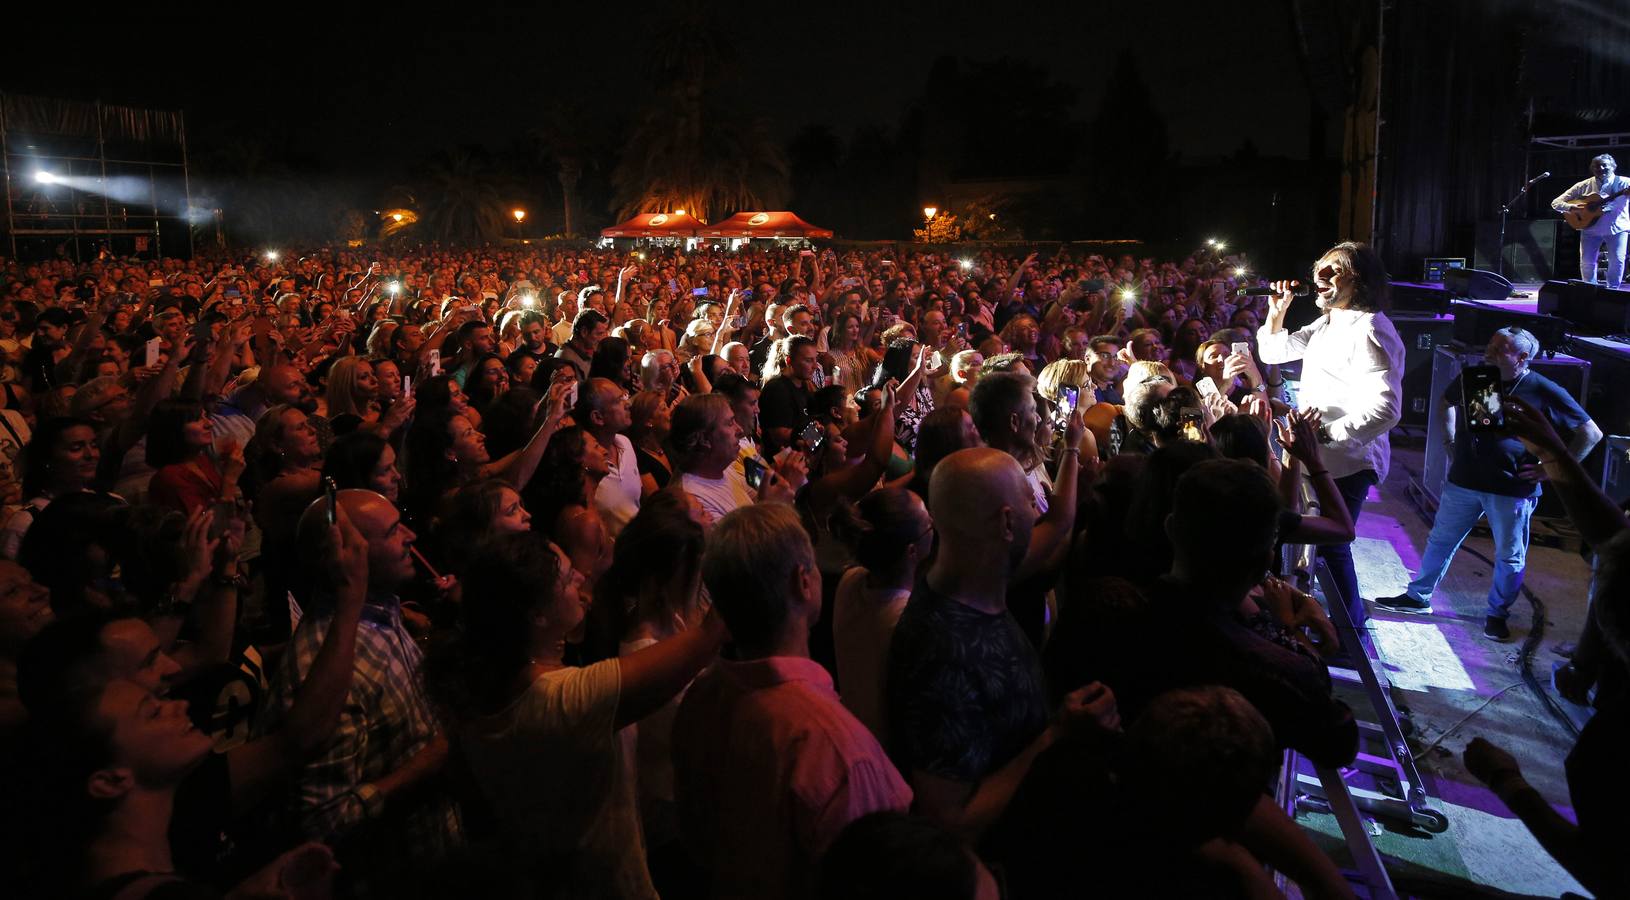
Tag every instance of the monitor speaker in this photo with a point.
(1476, 284)
(1551, 295)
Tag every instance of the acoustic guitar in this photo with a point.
(1587, 211)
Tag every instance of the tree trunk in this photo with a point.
(570, 172)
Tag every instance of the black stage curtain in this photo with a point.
(1454, 136)
(1465, 84)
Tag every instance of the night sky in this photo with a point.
(350, 90)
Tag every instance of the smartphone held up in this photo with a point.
(1482, 399)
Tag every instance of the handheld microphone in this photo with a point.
(1298, 289)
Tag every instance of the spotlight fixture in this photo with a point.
(44, 177)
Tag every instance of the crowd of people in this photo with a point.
(572, 572)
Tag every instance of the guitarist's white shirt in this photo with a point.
(1615, 216)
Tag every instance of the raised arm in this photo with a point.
(1275, 345)
(1595, 514)
(1050, 541)
(517, 468)
(854, 481)
(310, 721)
(134, 426)
(1334, 524)
(87, 333)
(654, 675)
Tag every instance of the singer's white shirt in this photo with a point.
(1352, 373)
(1615, 216)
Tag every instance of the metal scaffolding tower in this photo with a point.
(82, 177)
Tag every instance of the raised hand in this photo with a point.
(1535, 431)
(1283, 294)
(1090, 708)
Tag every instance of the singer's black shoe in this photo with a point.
(1403, 603)
(1496, 630)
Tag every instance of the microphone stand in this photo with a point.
(1505, 210)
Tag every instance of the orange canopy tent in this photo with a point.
(781, 224)
(651, 225)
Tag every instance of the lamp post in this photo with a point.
(520, 216)
(929, 212)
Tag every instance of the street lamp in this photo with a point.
(929, 212)
(520, 215)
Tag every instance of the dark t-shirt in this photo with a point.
(650, 465)
(203, 810)
(783, 404)
(965, 689)
(1594, 766)
(1179, 638)
(1071, 813)
(1489, 462)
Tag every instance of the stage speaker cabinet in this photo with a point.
(1551, 297)
(1570, 373)
(1475, 323)
(1616, 467)
(1609, 311)
(1414, 297)
(1422, 335)
(1476, 284)
(1529, 254)
(1608, 401)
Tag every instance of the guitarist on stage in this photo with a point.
(1614, 224)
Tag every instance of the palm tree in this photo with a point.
(463, 195)
(564, 137)
(687, 153)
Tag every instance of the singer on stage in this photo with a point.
(1352, 366)
(1611, 229)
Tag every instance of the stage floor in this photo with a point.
(1442, 669)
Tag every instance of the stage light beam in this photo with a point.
(44, 177)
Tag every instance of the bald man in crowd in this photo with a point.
(968, 709)
(372, 792)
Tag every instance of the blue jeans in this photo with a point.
(1458, 511)
(1354, 489)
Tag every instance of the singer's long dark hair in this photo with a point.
(1370, 295)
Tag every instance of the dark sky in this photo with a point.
(345, 86)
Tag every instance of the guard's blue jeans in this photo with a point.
(1458, 511)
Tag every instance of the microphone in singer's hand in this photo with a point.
(1298, 289)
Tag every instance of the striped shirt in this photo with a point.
(386, 721)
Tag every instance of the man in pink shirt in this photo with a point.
(768, 764)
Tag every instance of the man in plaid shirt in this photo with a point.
(373, 791)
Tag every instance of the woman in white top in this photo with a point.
(891, 533)
(540, 735)
(651, 593)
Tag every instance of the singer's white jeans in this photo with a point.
(1590, 246)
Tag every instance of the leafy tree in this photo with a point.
(687, 149)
